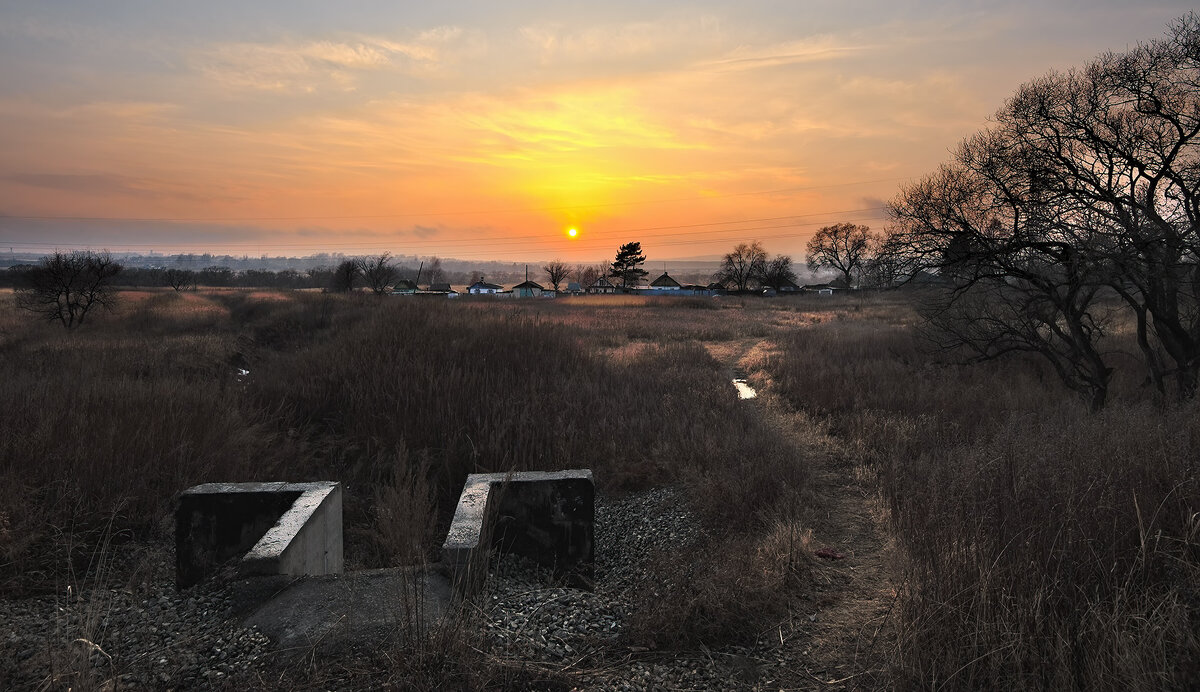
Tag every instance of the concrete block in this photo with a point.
(275, 528)
(547, 516)
(356, 611)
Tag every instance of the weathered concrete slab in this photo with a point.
(276, 528)
(547, 516)
(362, 608)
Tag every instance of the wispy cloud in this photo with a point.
(661, 42)
(122, 111)
(96, 183)
(314, 64)
(113, 184)
(127, 110)
(787, 53)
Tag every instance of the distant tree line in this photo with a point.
(372, 272)
(749, 266)
(183, 279)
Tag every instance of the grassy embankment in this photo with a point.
(399, 399)
(1042, 547)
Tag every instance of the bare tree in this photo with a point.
(319, 277)
(64, 287)
(587, 274)
(346, 274)
(885, 266)
(379, 272)
(1085, 186)
(1011, 282)
(1087, 183)
(778, 272)
(179, 279)
(747, 262)
(434, 271)
(842, 246)
(556, 271)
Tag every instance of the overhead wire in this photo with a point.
(541, 239)
(482, 251)
(351, 217)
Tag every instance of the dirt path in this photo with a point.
(843, 630)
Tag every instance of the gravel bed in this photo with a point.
(159, 638)
(155, 639)
(527, 618)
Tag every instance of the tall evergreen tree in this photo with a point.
(627, 265)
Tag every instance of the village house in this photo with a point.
(665, 283)
(527, 289)
(440, 289)
(404, 287)
(484, 288)
(602, 285)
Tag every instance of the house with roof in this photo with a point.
(665, 283)
(404, 287)
(786, 285)
(927, 279)
(439, 289)
(574, 288)
(602, 286)
(482, 287)
(528, 289)
(819, 289)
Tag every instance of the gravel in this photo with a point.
(154, 639)
(159, 638)
(529, 619)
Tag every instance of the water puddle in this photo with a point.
(744, 390)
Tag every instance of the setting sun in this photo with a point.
(454, 129)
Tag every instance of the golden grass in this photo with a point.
(150, 399)
(1043, 546)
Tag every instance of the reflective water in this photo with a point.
(745, 391)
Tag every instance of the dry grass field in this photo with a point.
(1029, 544)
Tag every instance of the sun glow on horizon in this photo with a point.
(472, 130)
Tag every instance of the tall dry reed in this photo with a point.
(1043, 547)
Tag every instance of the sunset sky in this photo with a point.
(484, 130)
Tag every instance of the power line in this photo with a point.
(351, 217)
(500, 247)
(506, 240)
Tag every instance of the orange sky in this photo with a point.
(485, 130)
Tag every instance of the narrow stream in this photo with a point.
(745, 391)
